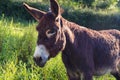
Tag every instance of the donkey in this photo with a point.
(85, 52)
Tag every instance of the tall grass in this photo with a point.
(17, 43)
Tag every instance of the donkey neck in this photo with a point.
(71, 31)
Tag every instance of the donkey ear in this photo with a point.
(55, 8)
(37, 14)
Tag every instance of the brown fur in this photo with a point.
(85, 52)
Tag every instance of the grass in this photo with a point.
(17, 44)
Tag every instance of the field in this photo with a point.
(18, 37)
(17, 43)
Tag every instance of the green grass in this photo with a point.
(17, 44)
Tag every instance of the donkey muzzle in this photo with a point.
(39, 61)
(41, 55)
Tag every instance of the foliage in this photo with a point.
(98, 19)
(105, 4)
(94, 20)
(15, 9)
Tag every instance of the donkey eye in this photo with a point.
(50, 32)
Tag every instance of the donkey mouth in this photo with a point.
(39, 63)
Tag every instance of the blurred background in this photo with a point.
(96, 14)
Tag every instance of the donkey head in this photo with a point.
(51, 38)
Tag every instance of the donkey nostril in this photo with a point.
(38, 59)
(34, 58)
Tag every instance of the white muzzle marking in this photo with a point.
(42, 52)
